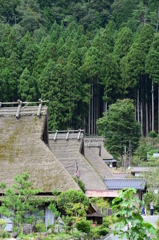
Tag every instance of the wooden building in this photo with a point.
(24, 148)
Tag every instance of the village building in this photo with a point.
(120, 183)
(81, 161)
(24, 148)
(96, 145)
(140, 171)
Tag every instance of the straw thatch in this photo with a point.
(92, 154)
(23, 150)
(68, 152)
(98, 141)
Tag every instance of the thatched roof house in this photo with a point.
(94, 150)
(23, 148)
(68, 147)
(93, 143)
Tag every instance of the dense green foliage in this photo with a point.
(80, 55)
(127, 211)
(80, 184)
(144, 153)
(119, 126)
(75, 204)
(84, 226)
(20, 200)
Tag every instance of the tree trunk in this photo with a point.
(135, 110)
(97, 108)
(141, 117)
(130, 153)
(150, 115)
(106, 105)
(147, 120)
(152, 106)
(89, 111)
(92, 111)
(138, 111)
(84, 123)
(95, 102)
(122, 162)
(157, 21)
(158, 108)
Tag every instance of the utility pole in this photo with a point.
(130, 153)
(125, 159)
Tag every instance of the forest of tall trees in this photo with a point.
(81, 55)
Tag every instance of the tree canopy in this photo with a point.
(81, 56)
(118, 126)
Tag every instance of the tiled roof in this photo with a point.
(120, 183)
(142, 169)
(95, 214)
(123, 175)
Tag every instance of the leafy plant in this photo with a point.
(80, 184)
(99, 231)
(53, 208)
(84, 225)
(100, 203)
(55, 192)
(40, 226)
(75, 204)
(127, 213)
(19, 200)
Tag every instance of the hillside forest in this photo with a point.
(81, 56)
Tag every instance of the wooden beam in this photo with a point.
(18, 110)
(55, 136)
(79, 134)
(67, 135)
(40, 107)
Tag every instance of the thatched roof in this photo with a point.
(98, 141)
(92, 154)
(23, 150)
(68, 152)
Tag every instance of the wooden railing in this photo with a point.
(66, 134)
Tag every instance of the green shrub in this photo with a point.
(103, 231)
(40, 226)
(84, 226)
(105, 224)
(99, 232)
(152, 134)
(80, 184)
(55, 192)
